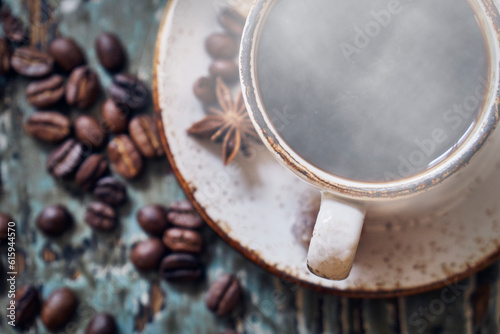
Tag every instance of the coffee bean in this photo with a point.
(111, 191)
(232, 21)
(28, 303)
(59, 308)
(183, 214)
(110, 51)
(54, 220)
(228, 331)
(5, 55)
(183, 240)
(89, 131)
(4, 226)
(129, 92)
(102, 323)
(64, 160)
(223, 295)
(91, 170)
(115, 119)
(179, 267)
(67, 53)
(204, 90)
(147, 254)
(226, 69)
(219, 45)
(101, 217)
(45, 93)
(13, 28)
(48, 126)
(82, 88)
(124, 157)
(153, 219)
(31, 62)
(144, 132)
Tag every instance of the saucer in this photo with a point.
(264, 211)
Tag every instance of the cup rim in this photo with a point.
(461, 157)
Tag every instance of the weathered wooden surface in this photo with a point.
(96, 266)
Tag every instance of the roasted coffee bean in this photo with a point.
(111, 191)
(153, 219)
(110, 51)
(179, 267)
(82, 88)
(45, 93)
(64, 160)
(59, 308)
(101, 217)
(204, 90)
(48, 126)
(223, 295)
(147, 254)
(232, 21)
(89, 131)
(28, 303)
(5, 219)
(91, 170)
(102, 323)
(183, 240)
(183, 214)
(124, 157)
(54, 220)
(219, 45)
(144, 132)
(67, 53)
(129, 92)
(31, 62)
(5, 55)
(226, 69)
(114, 119)
(13, 28)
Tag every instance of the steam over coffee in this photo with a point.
(372, 90)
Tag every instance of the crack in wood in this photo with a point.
(147, 312)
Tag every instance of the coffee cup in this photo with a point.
(389, 108)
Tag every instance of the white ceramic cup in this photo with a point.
(345, 202)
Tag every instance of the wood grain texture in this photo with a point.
(97, 267)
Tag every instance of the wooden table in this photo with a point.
(97, 267)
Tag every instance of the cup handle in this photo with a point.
(335, 238)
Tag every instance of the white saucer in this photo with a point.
(254, 202)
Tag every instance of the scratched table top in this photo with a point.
(97, 266)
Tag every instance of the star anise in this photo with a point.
(231, 125)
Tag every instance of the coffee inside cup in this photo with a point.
(373, 90)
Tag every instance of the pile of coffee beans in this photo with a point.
(90, 147)
(177, 254)
(175, 242)
(62, 82)
(223, 48)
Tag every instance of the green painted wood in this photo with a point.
(96, 266)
